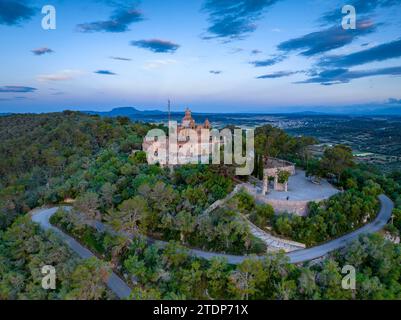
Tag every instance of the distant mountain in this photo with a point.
(309, 113)
(124, 112)
(372, 111)
(390, 111)
(160, 116)
(357, 110)
(4, 114)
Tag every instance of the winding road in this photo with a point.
(42, 217)
(121, 289)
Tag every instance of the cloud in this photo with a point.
(14, 99)
(394, 101)
(332, 38)
(60, 93)
(156, 45)
(63, 75)
(361, 6)
(157, 64)
(121, 58)
(105, 72)
(118, 22)
(268, 62)
(337, 76)
(234, 19)
(256, 51)
(41, 51)
(235, 50)
(13, 12)
(20, 89)
(279, 74)
(216, 72)
(381, 52)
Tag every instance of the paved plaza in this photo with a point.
(301, 188)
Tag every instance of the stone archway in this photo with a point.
(272, 170)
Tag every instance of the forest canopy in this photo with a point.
(50, 158)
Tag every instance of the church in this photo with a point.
(188, 123)
(191, 140)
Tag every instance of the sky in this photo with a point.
(208, 55)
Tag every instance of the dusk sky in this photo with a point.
(209, 55)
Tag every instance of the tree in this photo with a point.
(217, 275)
(307, 284)
(303, 149)
(192, 281)
(260, 167)
(246, 203)
(160, 197)
(139, 157)
(315, 170)
(255, 172)
(88, 205)
(143, 294)
(265, 211)
(263, 215)
(283, 176)
(283, 226)
(185, 223)
(108, 190)
(118, 246)
(244, 281)
(337, 159)
(88, 281)
(11, 284)
(351, 183)
(285, 289)
(126, 219)
(329, 280)
(174, 254)
(137, 267)
(397, 219)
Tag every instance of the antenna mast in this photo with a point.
(169, 111)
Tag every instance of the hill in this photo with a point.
(124, 112)
(42, 151)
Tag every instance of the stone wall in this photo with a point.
(275, 244)
(272, 172)
(281, 206)
(221, 202)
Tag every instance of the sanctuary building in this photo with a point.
(187, 142)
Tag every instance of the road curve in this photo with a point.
(378, 224)
(42, 217)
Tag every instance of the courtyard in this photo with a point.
(301, 191)
(300, 188)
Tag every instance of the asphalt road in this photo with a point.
(42, 217)
(381, 220)
(115, 284)
(313, 253)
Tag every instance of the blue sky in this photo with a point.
(210, 55)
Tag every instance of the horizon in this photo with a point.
(334, 112)
(257, 57)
